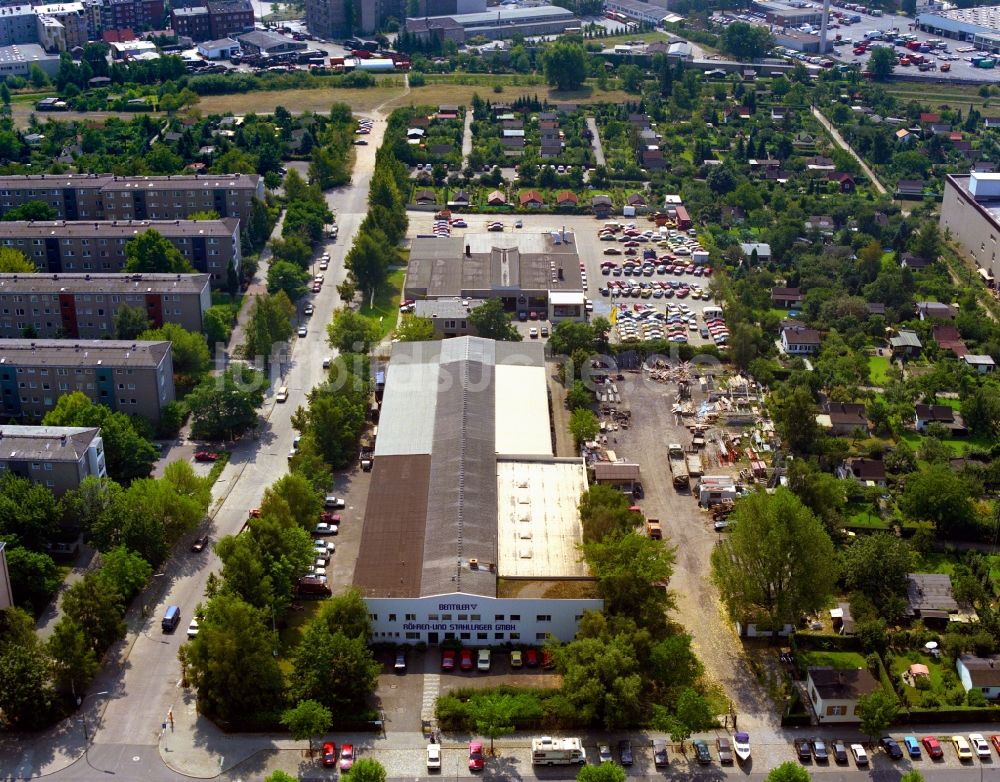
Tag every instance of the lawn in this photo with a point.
(878, 369)
(298, 101)
(433, 94)
(839, 660)
(291, 634)
(864, 517)
(939, 683)
(938, 562)
(385, 311)
(958, 445)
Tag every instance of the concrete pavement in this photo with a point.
(595, 141)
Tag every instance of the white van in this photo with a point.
(872, 34)
(282, 395)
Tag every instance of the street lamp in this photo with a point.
(83, 718)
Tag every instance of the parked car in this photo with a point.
(400, 665)
(329, 754)
(199, 544)
(839, 750)
(819, 750)
(302, 331)
(346, 757)
(933, 747)
(659, 753)
(322, 528)
(334, 502)
(891, 747)
(625, 752)
(980, 746)
(701, 753)
(206, 456)
(803, 750)
(448, 660)
(725, 750)
(433, 757)
(476, 760)
(962, 748)
(604, 754)
(912, 746)
(516, 659)
(860, 756)
(465, 660)
(483, 660)
(192, 630)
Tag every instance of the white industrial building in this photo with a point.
(970, 210)
(980, 25)
(471, 521)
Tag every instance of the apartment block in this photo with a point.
(192, 22)
(56, 246)
(132, 14)
(229, 18)
(108, 197)
(83, 306)
(57, 457)
(62, 26)
(132, 377)
(18, 25)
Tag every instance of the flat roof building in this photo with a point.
(471, 521)
(131, 377)
(981, 25)
(75, 306)
(450, 317)
(55, 246)
(970, 211)
(17, 59)
(110, 197)
(496, 24)
(57, 457)
(526, 271)
(793, 14)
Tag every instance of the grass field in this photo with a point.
(438, 92)
(291, 634)
(297, 101)
(945, 96)
(878, 368)
(385, 312)
(840, 660)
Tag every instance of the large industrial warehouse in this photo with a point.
(527, 271)
(472, 524)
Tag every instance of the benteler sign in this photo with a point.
(457, 626)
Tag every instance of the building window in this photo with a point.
(373, 617)
(411, 617)
(543, 618)
(515, 617)
(541, 636)
(445, 617)
(475, 617)
(498, 617)
(465, 636)
(481, 636)
(497, 636)
(392, 617)
(836, 711)
(432, 617)
(515, 636)
(463, 617)
(413, 636)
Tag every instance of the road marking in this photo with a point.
(432, 688)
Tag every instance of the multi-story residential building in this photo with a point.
(18, 25)
(55, 246)
(57, 457)
(328, 19)
(229, 18)
(83, 306)
(108, 197)
(192, 22)
(132, 14)
(342, 18)
(132, 377)
(70, 17)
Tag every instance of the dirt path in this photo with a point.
(839, 141)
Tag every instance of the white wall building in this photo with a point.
(471, 520)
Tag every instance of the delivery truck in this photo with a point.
(678, 465)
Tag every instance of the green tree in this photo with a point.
(631, 571)
(876, 711)
(303, 501)
(34, 577)
(217, 325)
(329, 667)
(287, 277)
(25, 674)
(491, 322)
(151, 252)
(981, 410)
(292, 250)
(565, 65)
(231, 662)
(279, 776)
(927, 241)
(369, 260)
(746, 41)
(27, 512)
(130, 322)
(128, 454)
(794, 412)
(777, 564)
(578, 395)
(912, 776)
(98, 610)
(29, 210)
(15, 262)
(306, 720)
(569, 337)
(631, 77)
(74, 663)
(583, 425)
(692, 715)
(789, 771)
(226, 406)
(351, 332)
(495, 713)
(877, 566)
(824, 494)
(414, 329)
(941, 496)
(124, 571)
(367, 770)
(269, 325)
(191, 357)
(882, 63)
(602, 682)
(605, 772)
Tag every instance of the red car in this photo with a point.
(317, 287)
(206, 456)
(933, 747)
(476, 756)
(330, 518)
(465, 660)
(346, 757)
(329, 754)
(547, 661)
(531, 658)
(995, 740)
(448, 660)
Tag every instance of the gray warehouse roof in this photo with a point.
(117, 229)
(433, 501)
(104, 283)
(503, 16)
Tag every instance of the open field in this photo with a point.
(438, 92)
(878, 368)
(297, 101)
(385, 312)
(944, 95)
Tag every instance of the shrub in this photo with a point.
(976, 699)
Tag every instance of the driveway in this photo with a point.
(595, 141)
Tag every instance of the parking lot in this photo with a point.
(585, 229)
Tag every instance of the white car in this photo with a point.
(334, 502)
(860, 756)
(324, 528)
(434, 756)
(980, 746)
(302, 331)
(193, 628)
(324, 265)
(308, 310)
